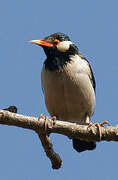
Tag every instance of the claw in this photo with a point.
(98, 125)
(104, 123)
(45, 123)
(45, 118)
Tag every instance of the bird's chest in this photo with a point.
(66, 94)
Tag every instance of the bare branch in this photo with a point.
(48, 147)
(72, 130)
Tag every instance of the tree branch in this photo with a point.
(43, 129)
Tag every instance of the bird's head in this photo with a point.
(58, 47)
(55, 43)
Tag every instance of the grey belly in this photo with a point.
(68, 99)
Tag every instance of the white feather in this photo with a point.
(64, 46)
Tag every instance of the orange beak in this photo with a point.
(42, 42)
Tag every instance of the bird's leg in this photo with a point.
(45, 122)
(45, 125)
(87, 122)
(99, 130)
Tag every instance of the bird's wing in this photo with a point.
(92, 78)
(91, 75)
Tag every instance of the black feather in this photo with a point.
(80, 145)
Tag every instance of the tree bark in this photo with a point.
(44, 126)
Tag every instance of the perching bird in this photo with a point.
(68, 83)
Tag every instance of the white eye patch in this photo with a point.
(64, 46)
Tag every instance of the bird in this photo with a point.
(68, 84)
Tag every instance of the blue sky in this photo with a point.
(93, 26)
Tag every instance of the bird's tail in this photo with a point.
(80, 145)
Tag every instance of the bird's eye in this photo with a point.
(56, 42)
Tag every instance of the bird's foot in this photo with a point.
(89, 124)
(104, 123)
(54, 119)
(45, 118)
(98, 125)
(46, 123)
